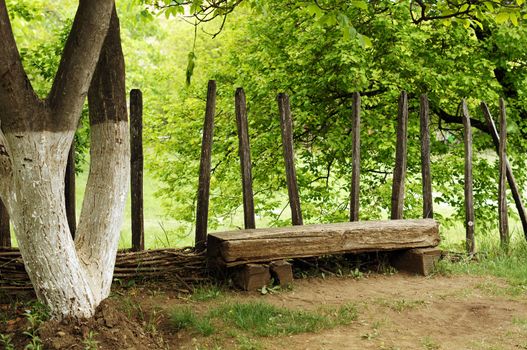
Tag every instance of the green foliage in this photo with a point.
(320, 67)
(326, 50)
(6, 341)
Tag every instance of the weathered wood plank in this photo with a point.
(510, 176)
(69, 191)
(502, 194)
(5, 232)
(355, 165)
(244, 150)
(428, 208)
(286, 123)
(469, 196)
(202, 208)
(401, 157)
(136, 169)
(238, 247)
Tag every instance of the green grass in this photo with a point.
(493, 260)
(206, 292)
(261, 319)
(186, 318)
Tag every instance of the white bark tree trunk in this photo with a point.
(37, 208)
(35, 137)
(103, 207)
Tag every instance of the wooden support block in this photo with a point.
(252, 276)
(420, 260)
(282, 272)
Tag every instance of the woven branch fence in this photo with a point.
(184, 267)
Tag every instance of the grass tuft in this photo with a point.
(262, 319)
(206, 292)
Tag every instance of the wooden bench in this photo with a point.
(252, 250)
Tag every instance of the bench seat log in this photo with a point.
(232, 248)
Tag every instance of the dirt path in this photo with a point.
(395, 312)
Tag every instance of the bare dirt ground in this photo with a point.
(394, 312)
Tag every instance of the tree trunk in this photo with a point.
(35, 138)
(38, 211)
(105, 196)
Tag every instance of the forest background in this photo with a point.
(319, 55)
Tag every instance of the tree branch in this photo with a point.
(449, 118)
(16, 92)
(78, 62)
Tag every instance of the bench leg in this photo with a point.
(252, 277)
(282, 272)
(419, 260)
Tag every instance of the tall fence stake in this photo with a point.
(399, 173)
(286, 123)
(355, 171)
(510, 176)
(245, 158)
(136, 168)
(5, 233)
(502, 194)
(69, 191)
(428, 208)
(469, 198)
(202, 210)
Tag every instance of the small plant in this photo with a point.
(346, 314)
(356, 273)
(245, 343)
(90, 343)
(518, 321)
(36, 315)
(185, 318)
(370, 335)
(430, 344)
(153, 321)
(6, 341)
(207, 292)
(34, 342)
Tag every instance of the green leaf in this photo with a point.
(360, 4)
(502, 17)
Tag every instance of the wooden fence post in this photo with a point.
(510, 176)
(502, 194)
(136, 168)
(399, 173)
(355, 172)
(244, 151)
(428, 206)
(469, 198)
(5, 232)
(202, 210)
(69, 191)
(286, 123)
